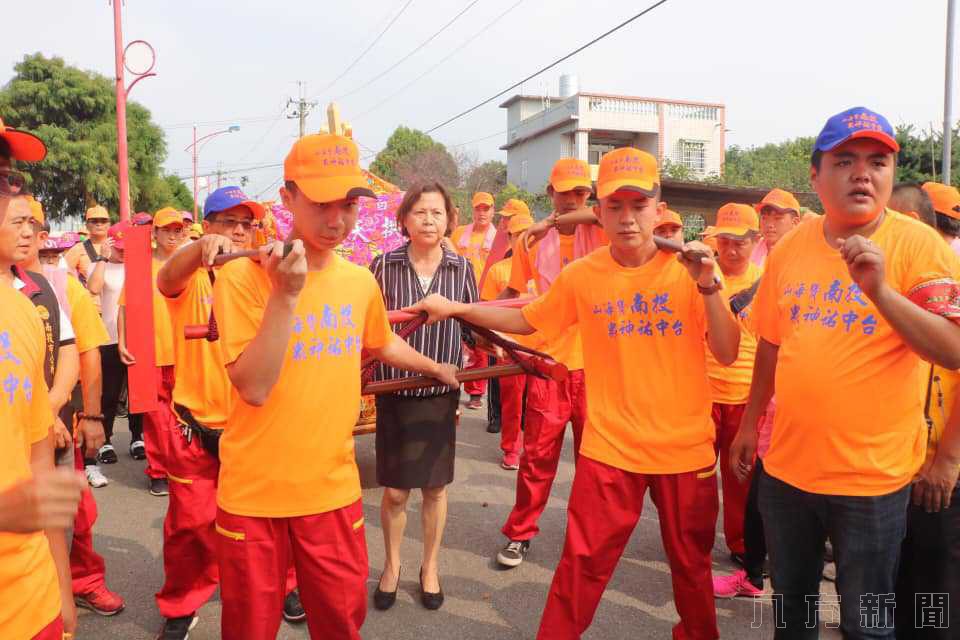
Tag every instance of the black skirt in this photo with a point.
(416, 440)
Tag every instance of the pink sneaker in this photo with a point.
(101, 600)
(511, 461)
(735, 585)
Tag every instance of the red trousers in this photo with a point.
(329, 551)
(478, 360)
(53, 631)
(550, 405)
(727, 417)
(159, 425)
(87, 567)
(511, 413)
(190, 567)
(605, 505)
(191, 572)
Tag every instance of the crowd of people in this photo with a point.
(808, 360)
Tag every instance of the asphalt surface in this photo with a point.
(482, 601)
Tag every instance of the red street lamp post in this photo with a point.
(195, 146)
(139, 58)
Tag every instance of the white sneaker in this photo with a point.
(95, 477)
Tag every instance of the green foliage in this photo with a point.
(403, 146)
(921, 154)
(74, 113)
(785, 165)
(540, 204)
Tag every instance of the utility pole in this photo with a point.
(948, 93)
(301, 109)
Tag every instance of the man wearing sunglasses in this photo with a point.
(83, 254)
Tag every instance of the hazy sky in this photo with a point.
(781, 66)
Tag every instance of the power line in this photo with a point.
(463, 144)
(406, 57)
(270, 186)
(549, 66)
(367, 50)
(479, 33)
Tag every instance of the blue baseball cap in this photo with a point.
(858, 122)
(229, 197)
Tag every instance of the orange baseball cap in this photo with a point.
(945, 199)
(97, 212)
(670, 217)
(513, 207)
(736, 219)
(519, 222)
(780, 200)
(23, 146)
(166, 217)
(326, 168)
(569, 174)
(482, 197)
(630, 169)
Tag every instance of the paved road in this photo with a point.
(482, 601)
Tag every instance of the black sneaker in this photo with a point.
(159, 487)
(178, 628)
(137, 450)
(106, 454)
(293, 608)
(493, 426)
(512, 554)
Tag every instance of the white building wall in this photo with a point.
(538, 156)
(617, 114)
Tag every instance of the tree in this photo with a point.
(402, 145)
(74, 113)
(785, 165)
(433, 164)
(921, 154)
(538, 203)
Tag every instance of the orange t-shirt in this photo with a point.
(474, 251)
(162, 324)
(731, 385)
(498, 279)
(87, 324)
(201, 382)
(847, 420)
(643, 328)
(77, 259)
(305, 428)
(29, 589)
(566, 347)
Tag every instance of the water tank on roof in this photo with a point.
(569, 85)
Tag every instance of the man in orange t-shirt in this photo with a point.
(670, 227)
(847, 307)
(779, 213)
(473, 241)
(736, 232)
(292, 330)
(550, 404)
(81, 255)
(511, 388)
(643, 317)
(201, 397)
(36, 501)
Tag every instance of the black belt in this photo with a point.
(209, 438)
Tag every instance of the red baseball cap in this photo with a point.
(118, 233)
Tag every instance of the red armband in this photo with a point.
(941, 296)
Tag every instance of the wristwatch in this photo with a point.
(712, 289)
(100, 259)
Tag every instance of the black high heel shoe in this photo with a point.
(383, 600)
(432, 601)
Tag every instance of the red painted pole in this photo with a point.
(122, 160)
(195, 172)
